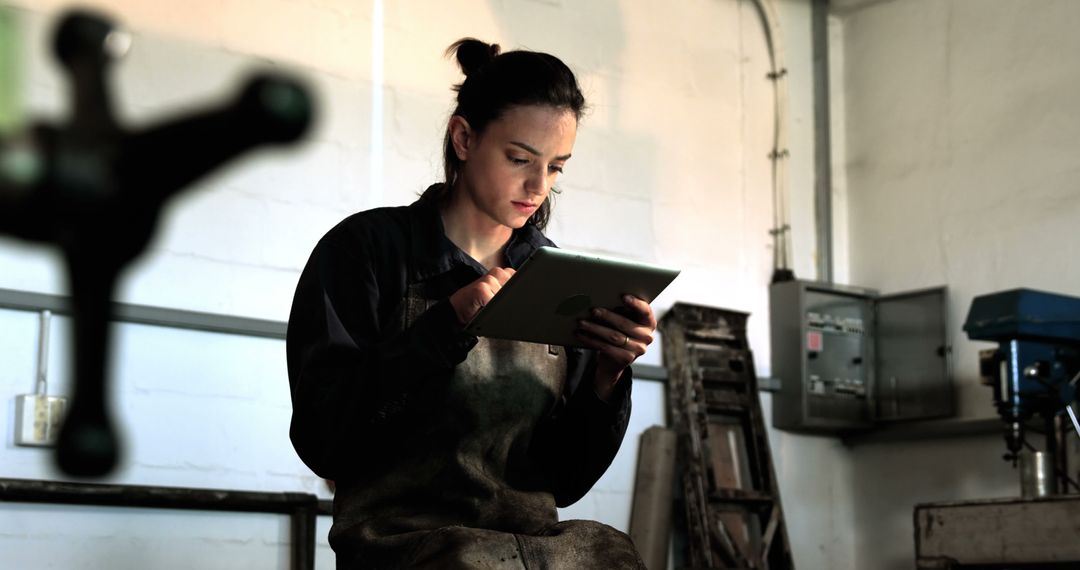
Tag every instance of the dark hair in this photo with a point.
(494, 84)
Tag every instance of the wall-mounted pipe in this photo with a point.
(822, 141)
(781, 230)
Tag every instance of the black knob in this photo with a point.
(81, 36)
(87, 445)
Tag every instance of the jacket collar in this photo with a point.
(433, 253)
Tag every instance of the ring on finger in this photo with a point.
(625, 340)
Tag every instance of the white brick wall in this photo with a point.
(673, 152)
(961, 145)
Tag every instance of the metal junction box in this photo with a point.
(848, 358)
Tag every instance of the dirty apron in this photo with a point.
(462, 490)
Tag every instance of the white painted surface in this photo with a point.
(961, 142)
(671, 166)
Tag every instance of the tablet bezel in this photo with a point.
(526, 308)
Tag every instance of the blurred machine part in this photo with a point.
(848, 358)
(10, 78)
(731, 515)
(95, 189)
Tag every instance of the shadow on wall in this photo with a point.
(614, 169)
(891, 478)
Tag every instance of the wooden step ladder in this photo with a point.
(731, 515)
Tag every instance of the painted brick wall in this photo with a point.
(671, 166)
(961, 145)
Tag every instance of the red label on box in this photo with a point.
(814, 341)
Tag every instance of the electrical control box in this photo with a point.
(38, 419)
(848, 358)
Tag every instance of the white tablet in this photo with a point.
(555, 288)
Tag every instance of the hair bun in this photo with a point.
(472, 54)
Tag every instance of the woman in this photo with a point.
(450, 451)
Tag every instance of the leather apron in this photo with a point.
(462, 490)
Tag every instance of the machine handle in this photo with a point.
(156, 163)
(96, 191)
(1069, 400)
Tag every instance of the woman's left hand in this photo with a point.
(618, 340)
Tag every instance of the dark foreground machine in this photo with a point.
(94, 189)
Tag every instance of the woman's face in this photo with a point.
(509, 169)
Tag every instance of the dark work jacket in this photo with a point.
(367, 377)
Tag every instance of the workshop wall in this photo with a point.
(670, 166)
(961, 162)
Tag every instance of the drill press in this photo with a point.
(1035, 368)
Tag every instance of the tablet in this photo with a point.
(555, 288)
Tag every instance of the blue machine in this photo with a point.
(1036, 366)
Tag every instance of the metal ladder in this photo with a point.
(732, 516)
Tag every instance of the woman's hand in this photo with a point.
(618, 340)
(468, 300)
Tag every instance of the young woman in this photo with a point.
(451, 451)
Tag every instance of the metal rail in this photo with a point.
(148, 315)
(302, 508)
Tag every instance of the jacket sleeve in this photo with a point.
(577, 444)
(349, 378)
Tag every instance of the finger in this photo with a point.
(622, 356)
(643, 308)
(486, 289)
(620, 337)
(615, 338)
(624, 325)
(475, 306)
(501, 274)
(490, 283)
(615, 320)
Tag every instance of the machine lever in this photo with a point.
(1072, 416)
(96, 192)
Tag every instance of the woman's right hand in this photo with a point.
(468, 300)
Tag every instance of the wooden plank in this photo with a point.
(650, 518)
